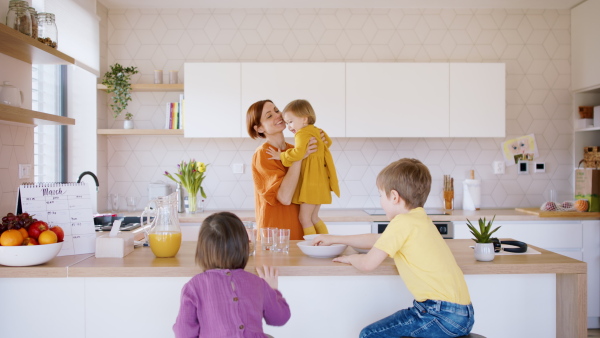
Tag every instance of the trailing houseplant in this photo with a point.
(484, 247)
(117, 82)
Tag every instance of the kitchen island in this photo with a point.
(541, 295)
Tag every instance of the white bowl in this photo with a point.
(26, 255)
(310, 237)
(362, 251)
(321, 251)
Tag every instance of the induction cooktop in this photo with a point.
(432, 211)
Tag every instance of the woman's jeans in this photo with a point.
(431, 319)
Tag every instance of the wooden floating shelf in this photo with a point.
(140, 132)
(150, 87)
(21, 115)
(27, 49)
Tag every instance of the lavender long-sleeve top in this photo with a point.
(228, 303)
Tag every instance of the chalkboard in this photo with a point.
(67, 205)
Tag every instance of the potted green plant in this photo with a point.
(117, 82)
(484, 247)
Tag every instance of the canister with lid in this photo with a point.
(47, 31)
(18, 16)
(34, 22)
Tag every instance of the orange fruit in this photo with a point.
(47, 237)
(11, 237)
(24, 233)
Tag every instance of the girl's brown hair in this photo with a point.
(253, 118)
(222, 242)
(410, 178)
(301, 108)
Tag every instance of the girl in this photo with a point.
(317, 177)
(225, 300)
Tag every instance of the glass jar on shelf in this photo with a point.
(47, 31)
(18, 16)
(34, 22)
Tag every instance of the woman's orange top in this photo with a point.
(268, 175)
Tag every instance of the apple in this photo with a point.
(60, 233)
(36, 228)
(29, 241)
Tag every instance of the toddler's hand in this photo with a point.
(323, 240)
(269, 274)
(275, 154)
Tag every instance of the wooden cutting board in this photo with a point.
(574, 214)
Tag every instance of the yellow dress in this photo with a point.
(318, 177)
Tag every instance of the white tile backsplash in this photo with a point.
(534, 45)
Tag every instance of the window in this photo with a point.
(48, 96)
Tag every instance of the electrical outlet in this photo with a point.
(24, 171)
(498, 167)
(238, 168)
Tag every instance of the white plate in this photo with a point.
(330, 251)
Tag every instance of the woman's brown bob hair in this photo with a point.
(253, 118)
(222, 243)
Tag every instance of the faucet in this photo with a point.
(93, 176)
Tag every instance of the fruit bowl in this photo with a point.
(27, 255)
(321, 251)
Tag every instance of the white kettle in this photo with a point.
(11, 95)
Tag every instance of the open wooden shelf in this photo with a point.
(21, 115)
(140, 132)
(27, 49)
(150, 87)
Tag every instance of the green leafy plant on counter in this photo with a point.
(484, 234)
(117, 82)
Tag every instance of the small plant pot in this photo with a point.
(128, 124)
(484, 252)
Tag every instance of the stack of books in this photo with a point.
(175, 114)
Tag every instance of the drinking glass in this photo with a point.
(251, 236)
(131, 202)
(267, 238)
(282, 241)
(114, 202)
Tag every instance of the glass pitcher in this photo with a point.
(163, 233)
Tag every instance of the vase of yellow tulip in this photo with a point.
(190, 176)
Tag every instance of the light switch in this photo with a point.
(24, 171)
(523, 167)
(238, 168)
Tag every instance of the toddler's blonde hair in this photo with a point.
(301, 108)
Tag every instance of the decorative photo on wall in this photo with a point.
(518, 149)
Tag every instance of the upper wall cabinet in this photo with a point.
(322, 84)
(212, 100)
(585, 46)
(477, 100)
(397, 99)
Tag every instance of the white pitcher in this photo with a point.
(11, 95)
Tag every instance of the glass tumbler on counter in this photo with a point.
(282, 241)
(267, 238)
(251, 236)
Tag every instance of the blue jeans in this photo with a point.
(431, 319)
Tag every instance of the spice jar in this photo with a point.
(34, 22)
(18, 16)
(47, 31)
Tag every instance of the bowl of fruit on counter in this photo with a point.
(26, 241)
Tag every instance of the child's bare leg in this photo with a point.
(320, 226)
(306, 212)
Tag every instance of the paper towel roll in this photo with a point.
(471, 194)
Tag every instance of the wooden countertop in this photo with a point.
(142, 263)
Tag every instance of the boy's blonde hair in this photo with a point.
(410, 178)
(301, 108)
(222, 243)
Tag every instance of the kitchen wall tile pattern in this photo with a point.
(16, 147)
(534, 45)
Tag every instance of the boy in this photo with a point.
(442, 305)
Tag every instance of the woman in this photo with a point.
(274, 184)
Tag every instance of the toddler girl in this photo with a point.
(225, 300)
(318, 177)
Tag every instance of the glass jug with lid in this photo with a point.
(163, 233)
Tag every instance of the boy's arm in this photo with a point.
(367, 262)
(363, 241)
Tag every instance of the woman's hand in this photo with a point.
(323, 138)
(269, 274)
(312, 146)
(275, 154)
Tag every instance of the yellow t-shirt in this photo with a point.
(423, 259)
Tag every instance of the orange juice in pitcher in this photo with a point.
(164, 233)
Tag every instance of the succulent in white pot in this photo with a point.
(484, 246)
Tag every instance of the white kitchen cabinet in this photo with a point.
(397, 99)
(585, 46)
(322, 84)
(212, 100)
(477, 100)
(591, 255)
(348, 228)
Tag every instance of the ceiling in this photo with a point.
(555, 4)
